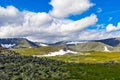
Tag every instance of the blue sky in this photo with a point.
(30, 5)
(56, 20)
(110, 8)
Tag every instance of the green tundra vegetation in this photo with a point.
(83, 56)
(97, 71)
(17, 67)
(89, 57)
(38, 50)
(88, 66)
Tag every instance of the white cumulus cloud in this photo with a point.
(80, 24)
(111, 27)
(64, 8)
(10, 15)
(43, 26)
(97, 35)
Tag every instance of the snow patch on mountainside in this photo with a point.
(8, 45)
(41, 44)
(60, 52)
(106, 49)
(74, 42)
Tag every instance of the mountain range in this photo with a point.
(110, 44)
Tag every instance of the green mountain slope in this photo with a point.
(39, 50)
(91, 46)
(17, 43)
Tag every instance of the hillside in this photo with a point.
(115, 42)
(39, 50)
(111, 44)
(17, 43)
(91, 46)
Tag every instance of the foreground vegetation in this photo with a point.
(17, 67)
(104, 71)
(88, 66)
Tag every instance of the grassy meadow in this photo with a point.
(86, 57)
(90, 57)
(81, 71)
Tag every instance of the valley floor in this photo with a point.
(86, 57)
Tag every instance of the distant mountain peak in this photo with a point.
(17, 43)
